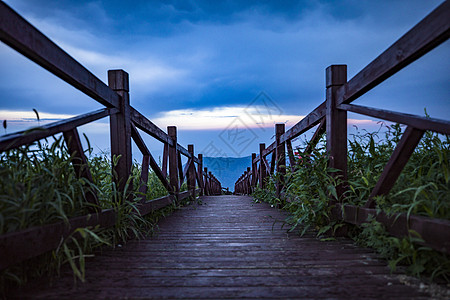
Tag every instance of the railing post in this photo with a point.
(249, 182)
(201, 184)
(254, 170)
(206, 181)
(262, 166)
(336, 125)
(173, 160)
(120, 129)
(281, 157)
(191, 171)
(211, 183)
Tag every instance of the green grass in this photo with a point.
(39, 186)
(423, 188)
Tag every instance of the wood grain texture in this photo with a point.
(422, 123)
(120, 129)
(435, 232)
(229, 248)
(79, 163)
(148, 127)
(429, 33)
(398, 160)
(18, 246)
(20, 35)
(19, 138)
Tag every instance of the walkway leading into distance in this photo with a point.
(229, 247)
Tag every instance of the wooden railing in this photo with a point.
(331, 117)
(15, 247)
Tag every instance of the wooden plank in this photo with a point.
(308, 122)
(199, 173)
(148, 127)
(321, 129)
(186, 153)
(139, 141)
(15, 247)
(206, 252)
(429, 33)
(402, 152)
(422, 123)
(270, 149)
(280, 157)
(184, 195)
(206, 181)
(155, 204)
(80, 164)
(20, 35)
(254, 171)
(290, 152)
(262, 166)
(144, 177)
(181, 172)
(120, 129)
(185, 171)
(248, 181)
(164, 159)
(272, 163)
(20, 138)
(434, 232)
(149, 159)
(191, 170)
(336, 127)
(173, 160)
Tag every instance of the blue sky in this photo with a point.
(211, 66)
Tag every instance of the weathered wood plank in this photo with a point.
(165, 157)
(422, 123)
(20, 35)
(206, 252)
(148, 159)
(321, 129)
(15, 247)
(336, 127)
(20, 138)
(280, 157)
(435, 232)
(429, 33)
(148, 127)
(308, 122)
(402, 152)
(155, 204)
(81, 166)
(173, 160)
(120, 129)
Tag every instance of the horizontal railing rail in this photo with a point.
(331, 118)
(125, 121)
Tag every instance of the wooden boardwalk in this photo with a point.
(228, 247)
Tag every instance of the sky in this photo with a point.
(223, 72)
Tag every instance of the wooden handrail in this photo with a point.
(429, 33)
(19, 34)
(422, 38)
(20, 138)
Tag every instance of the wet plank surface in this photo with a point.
(229, 247)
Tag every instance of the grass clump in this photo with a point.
(423, 188)
(39, 186)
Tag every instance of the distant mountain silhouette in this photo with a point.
(227, 169)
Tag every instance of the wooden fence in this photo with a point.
(125, 121)
(331, 117)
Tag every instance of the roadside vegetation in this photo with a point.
(423, 188)
(39, 186)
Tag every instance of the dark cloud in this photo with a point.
(196, 54)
